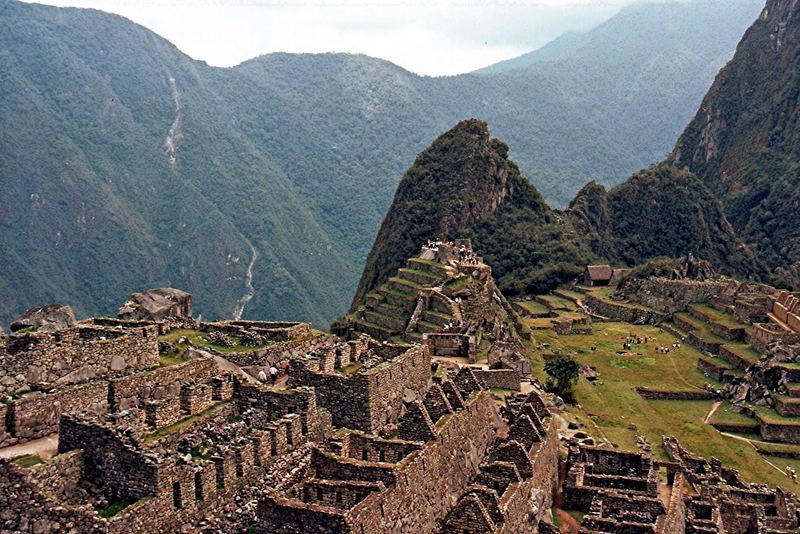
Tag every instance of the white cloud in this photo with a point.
(427, 37)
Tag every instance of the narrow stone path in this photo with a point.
(45, 447)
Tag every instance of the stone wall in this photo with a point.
(367, 400)
(784, 433)
(37, 415)
(499, 378)
(73, 356)
(280, 352)
(131, 391)
(271, 330)
(622, 312)
(647, 393)
(670, 296)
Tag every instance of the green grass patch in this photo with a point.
(532, 307)
(718, 317)
(558, 303)
(350, 369)
(113, 509)
(612, 408)
(27, 460)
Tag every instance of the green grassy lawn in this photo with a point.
(27, 460)
(609, 407)
(572, 294)
(701, 329)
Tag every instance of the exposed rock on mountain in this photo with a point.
(744, 142)
(48, 318)
(157, 304)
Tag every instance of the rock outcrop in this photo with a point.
(157, 304)
(48, 318)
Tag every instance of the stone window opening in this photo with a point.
(198, 486)
(339, 496)
(382, 456)
(273, 449)
(365, 454)
(319, 493)
(177, 502)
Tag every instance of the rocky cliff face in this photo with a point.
(744, 142)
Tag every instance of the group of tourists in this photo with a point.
(273, 374)
(464, 253)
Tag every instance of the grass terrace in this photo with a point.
(718, 317)
(532, 307)
(725, 415)
(611, 409)
(182, 424)
(555, 302)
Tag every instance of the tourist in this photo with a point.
(273, 374)
(262, 376)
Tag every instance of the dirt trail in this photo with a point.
(750, 442)
(713, 409)
(249, 290)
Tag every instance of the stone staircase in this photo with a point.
(388, 310)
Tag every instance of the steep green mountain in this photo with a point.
(464, 185)
(93, 206)
(295, 155)
(744, 142)
(661, 211)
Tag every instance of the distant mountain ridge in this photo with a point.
(296, 156)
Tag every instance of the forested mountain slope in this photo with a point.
(464, 185)
(744, 142)
(296, 155)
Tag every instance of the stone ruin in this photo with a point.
(630, 492)
(454, 465)
(360, 438)
(722, 502)
(437, 293)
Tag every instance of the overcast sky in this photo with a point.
(434, 37)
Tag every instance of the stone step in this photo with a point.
(436, 317)
(374, 330)
(423, 278)
(401, 284)
(394, 323)
(427, 328)
(793, 389)
(390, 309)
(401, 299)
(373, 299)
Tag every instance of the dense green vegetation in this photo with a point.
(744, 142)
(661, 211)
(297, 155)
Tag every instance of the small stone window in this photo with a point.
(177, 502)
(365, 454)
(198, 486)
(319, 493)
(382, 456)
(339, 496)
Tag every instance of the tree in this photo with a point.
(562, 372)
